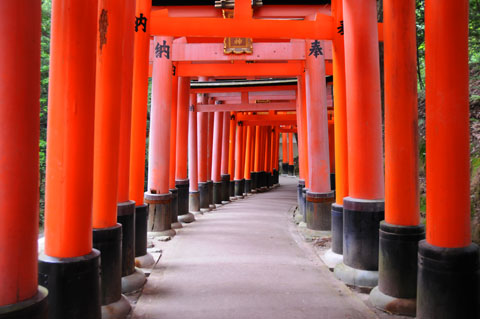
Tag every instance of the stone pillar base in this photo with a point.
(318, 210)
(448, 282)
(108, 241)
(141, 229)
(194, 202)
(174, 209)
(183, 197)
(126, 217)
(159, 217)
(248, 186)
(239, 188)
(33, 308)
(203, 197)
(337, 229)
(117, 310)
(68, 281)
(225, 188)
(361, 279)
(134, 281)
(361, 222)
(217, 193)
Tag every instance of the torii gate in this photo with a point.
(70, 266)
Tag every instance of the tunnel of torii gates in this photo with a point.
(214, 136)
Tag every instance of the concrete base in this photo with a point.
(33, 308)
(225, 202)
(133, 282)
(170, 233)
(117, 310)
(212, 207)
(177, 225)
(186, 218)
(398, 306)
(331, 259)
(194, 201)
(364, 280)
(233, 198)
(144, 261)
(205, 210)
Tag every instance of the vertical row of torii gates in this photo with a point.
(215, 138)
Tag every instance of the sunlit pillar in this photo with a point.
(217, 158)
(239, 181)
(194, 196)
(225, 176)
(231, 154)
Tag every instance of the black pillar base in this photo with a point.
(33, 308)
(73, 285)
(159, 214)
(332, 181)
(291, 170)
(217, 193)
(300, 186)
(304, 204)
(225, 188)
(174, 209)
(337, 229)
(248, 186)
(397, 269)
(210, 193)
(263, 179)
(269, 179)
(448, 282)
(183, 194)
(239, 188)
(194, 201)
(285, 168)
(109, 242)
(141, 228)
(126, 217)
(361, 223)
(318, 210)
(276, 179)
(204, 197)
(253, 178)
(231, 188)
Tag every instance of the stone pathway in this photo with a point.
(245, 260)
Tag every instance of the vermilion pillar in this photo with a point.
(319, 195)
(239, 180)
(19, 140)
(139, 128)
(158, 195)
(291, 165)
(253, 173)
(202, 138)
(248, 159)
(276, 155)
(448, 272)
(340, 128)
(194, 196)
(363, 209)
(225, 176)
(173, 153)
(331, 149)
(256, 164)
(302, 142)
(400, 232)
(69, 177)
(181, 178)
(268, 153)
(211, 117)
(303, 109)
(284, 154)
(217, 158)
(231, 153)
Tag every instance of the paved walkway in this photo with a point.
(245, 260)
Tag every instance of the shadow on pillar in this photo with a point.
(184, 215)
(33, 308)
(361, 223)
(318, 210)
(448, 282)
(109, 242)
(225, 189)
(69, 281)
(397, 269)
(142, 258)
(174, 209)
(204, 197)
(132, 279)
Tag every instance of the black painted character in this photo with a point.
(160, 49)
(340, 28)
(141, 21)
(315, 49)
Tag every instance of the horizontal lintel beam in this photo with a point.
(244, 69)
(247, 107)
